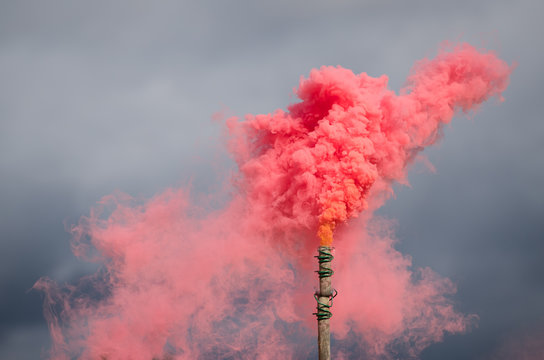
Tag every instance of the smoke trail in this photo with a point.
(235, 283)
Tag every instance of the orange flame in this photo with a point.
(325, 233)
(335, 211)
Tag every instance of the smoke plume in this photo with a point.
(179, 281)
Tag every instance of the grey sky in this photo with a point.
(105, 95)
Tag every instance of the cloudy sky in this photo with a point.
(119, 95)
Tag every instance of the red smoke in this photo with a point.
(237, 282)
(319, 161)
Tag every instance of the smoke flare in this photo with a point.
(180, 282)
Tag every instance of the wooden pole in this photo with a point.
(324, 299)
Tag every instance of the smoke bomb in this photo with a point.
(184, 283)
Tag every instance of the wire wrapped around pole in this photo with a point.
(324, 297)
(324, 259)
(323, 310)
(324, 256)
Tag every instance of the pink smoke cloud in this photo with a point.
(318, 161)
(185, 283)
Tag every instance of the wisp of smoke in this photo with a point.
(181, 282)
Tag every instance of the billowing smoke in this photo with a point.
(182, 282)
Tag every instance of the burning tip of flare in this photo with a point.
(324, 233)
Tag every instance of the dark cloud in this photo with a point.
(103, 95)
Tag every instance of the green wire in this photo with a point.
(324, 256)
(323, 310)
